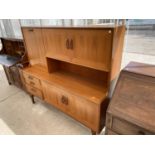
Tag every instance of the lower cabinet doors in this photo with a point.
(82, 110)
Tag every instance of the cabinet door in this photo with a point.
(50, 95)
(34, 45)
(56, 43)
(92, 48)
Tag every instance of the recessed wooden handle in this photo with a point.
(64, 100)
(67, 43)
(32, 83)
(30, 77)
(30, 30)
(71, 44)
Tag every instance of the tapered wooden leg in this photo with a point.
(93, 132)
(32, 99)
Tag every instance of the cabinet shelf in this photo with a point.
(94, 91)
(95, 65)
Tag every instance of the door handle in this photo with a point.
(67, 43)
(71, 44)
(30, 30)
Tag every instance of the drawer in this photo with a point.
(31, 80)
(126, 128)
(34, 91)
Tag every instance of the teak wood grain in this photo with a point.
(82, 87)
(34, 45)
(90, 48)
(74, 67)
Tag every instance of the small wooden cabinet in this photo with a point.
(132, 107)
(71, 68)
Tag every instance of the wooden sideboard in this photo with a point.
(71, 68)
(132, 108)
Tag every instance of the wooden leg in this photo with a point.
(93, 132)
(6, 73)
(32, 98)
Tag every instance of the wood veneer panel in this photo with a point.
(34, 45)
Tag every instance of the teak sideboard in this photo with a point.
(72, 68)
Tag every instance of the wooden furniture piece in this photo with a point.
(13, 56)
(71, 68)
(132, 107)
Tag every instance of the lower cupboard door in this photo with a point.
(88, 113)
(50, 95)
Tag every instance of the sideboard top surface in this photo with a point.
(89, 90)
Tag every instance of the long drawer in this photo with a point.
(84, 111)
(123, 127)
(31, 80)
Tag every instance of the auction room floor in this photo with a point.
(19, 116)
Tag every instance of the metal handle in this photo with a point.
(67, 43)
(64, 100)
(71, 44)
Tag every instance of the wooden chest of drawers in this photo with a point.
(132, 108)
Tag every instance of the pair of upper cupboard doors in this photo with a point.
(86, 47)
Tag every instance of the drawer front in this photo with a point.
(34, 91)
(31, 80)
(126, 128)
